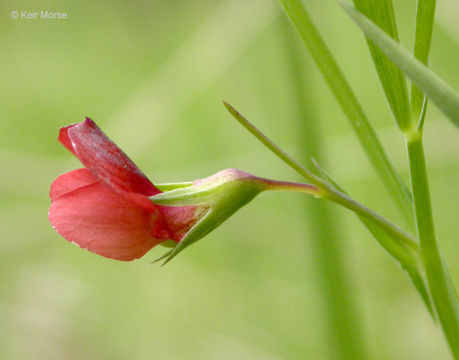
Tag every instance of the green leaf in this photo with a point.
(350, 105)
(434, 87)
(381, 12)
(422, 115)
(425, 13)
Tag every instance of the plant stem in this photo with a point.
(394, 240)
(341, 309)
(440, 284)
(403, 245)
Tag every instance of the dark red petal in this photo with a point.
(65, 139)
(180, 219)
(98, 219)
(105, 160)
(71, 181)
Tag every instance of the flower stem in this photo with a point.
(440, 284)
(291, 186)
(402, 246)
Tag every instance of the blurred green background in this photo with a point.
(152, 74)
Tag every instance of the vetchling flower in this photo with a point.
(112, 209)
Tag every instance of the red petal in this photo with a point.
(64, 137)
(180, 219)
(105, 160)
(98, 219)
(71, 181)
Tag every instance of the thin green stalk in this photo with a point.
(442, 94)
(381, 12)
(350, 105)
(440, 284)
(425, 13)
(394, 240)
(402, 246)
(341, 308)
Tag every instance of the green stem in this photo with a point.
(440, 284)
(402, 247)
(394, 240)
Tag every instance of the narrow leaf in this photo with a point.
(381, 12)
(425, 13)
(350, 105)
(433, 86)
(422, 115)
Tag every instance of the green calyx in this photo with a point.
(220, 196)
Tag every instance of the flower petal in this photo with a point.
(98, 219)
(71, 181)
(104, 159)
(181, 219)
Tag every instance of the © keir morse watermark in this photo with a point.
(39, 15)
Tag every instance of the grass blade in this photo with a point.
(446, 99)
(381, 12)
(425, 13)
(351, 107)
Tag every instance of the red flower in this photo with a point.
(112, 209)
(104, 207)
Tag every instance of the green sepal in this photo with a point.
(221, 195)
(168, 244)
(173, 186)
(162, 257)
